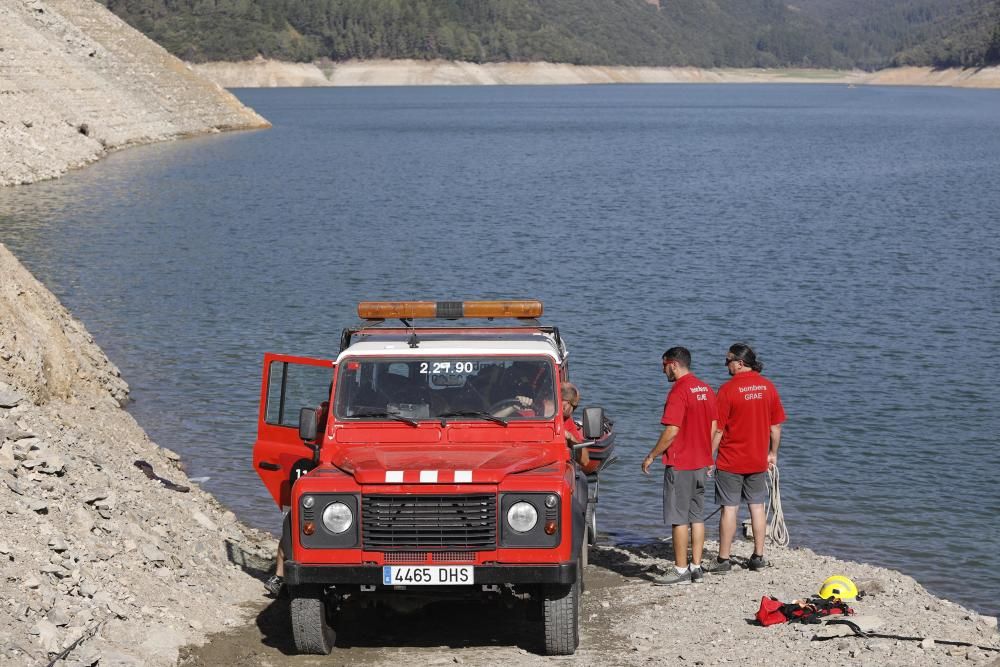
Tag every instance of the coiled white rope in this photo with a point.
(777, 531)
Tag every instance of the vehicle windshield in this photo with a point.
(496, 389)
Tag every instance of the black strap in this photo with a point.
(858, 632)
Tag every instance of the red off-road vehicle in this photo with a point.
(430, 461)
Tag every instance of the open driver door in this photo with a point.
(289, 384)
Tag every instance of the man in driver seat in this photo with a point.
(526, 392)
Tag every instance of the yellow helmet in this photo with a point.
(838, 586)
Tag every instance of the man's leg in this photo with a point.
(727, 529)
(680, 535)
(758, 521)
(675, 513)
(697, 542)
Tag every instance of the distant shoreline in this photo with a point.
(262, 73)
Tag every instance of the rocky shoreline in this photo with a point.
(262, 73)
(114, 566)
(93, 550)
(76, 82)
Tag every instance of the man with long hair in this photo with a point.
(745, 446)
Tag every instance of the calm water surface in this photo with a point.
(850, 235)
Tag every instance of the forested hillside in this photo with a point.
(716, 33)
(940, 33)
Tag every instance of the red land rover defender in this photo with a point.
(431, 461)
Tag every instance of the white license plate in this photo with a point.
(427, 575)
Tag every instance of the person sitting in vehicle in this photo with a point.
(401, 389)
(528, 396)
(570, 401)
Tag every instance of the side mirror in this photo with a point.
(593, 423)
(307, 424)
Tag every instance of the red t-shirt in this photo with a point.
(691, 407)
(748, 406)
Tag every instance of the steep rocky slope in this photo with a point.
(90, 546)
(77, 82)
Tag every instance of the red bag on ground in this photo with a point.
(770, 611)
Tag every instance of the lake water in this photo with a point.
(849, 234)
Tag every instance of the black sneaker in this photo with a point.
(716, 566)
(274, 585)
(697, 576)
(757, 563)
(673, 577)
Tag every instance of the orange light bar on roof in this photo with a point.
(448, 310)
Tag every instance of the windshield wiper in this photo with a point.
(475, 413)
(388, 415)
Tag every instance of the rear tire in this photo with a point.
(311, 627)
(561, 612)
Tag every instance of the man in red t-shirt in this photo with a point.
(570, 400)
(745, 446)
(686, 444)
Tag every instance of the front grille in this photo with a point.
(454, 557)
(406, 557)
(396, 557)
(430, 523)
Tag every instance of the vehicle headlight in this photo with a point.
(337, 518)
(522, 516)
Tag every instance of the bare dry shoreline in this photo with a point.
(262, 73)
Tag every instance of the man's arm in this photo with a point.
(716, 439)
(772, 453)
(662, 445)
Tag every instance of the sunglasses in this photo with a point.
(729, 361)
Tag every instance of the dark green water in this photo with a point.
(850, 235)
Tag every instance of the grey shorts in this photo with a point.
(683, 496)
(730, 487)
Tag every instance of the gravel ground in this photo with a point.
(625, 620)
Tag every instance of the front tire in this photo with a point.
(311, 627)
(561, 616)
(592, 522)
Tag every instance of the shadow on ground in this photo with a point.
(631, 560)
(452, 624)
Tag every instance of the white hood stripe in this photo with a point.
(428, 476)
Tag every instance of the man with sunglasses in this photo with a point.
(570, 401)
(686, 444)
(745, 446)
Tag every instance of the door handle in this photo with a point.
(267, 465)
